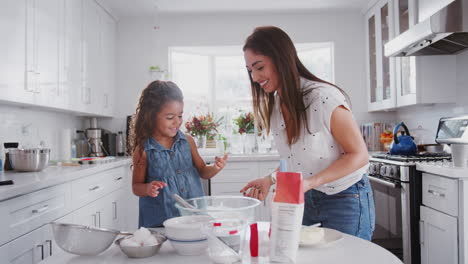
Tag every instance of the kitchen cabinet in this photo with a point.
(12, 52)
(32, 247)
(58, 54)
(438, 224)
(394, 82)
(380, 69)
(42, 52)
(439, 243)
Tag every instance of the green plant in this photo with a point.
(154, 68)
(245, 122)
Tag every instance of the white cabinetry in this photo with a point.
(58, 54)
(380, 69)
(402, 81)
(439, 220)
(12, 52)
(26, 237)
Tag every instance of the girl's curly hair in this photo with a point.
(152, 99)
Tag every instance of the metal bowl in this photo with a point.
(143, 251)
(83, 240)
(29, 160)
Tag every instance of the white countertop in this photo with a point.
(444, 169)
(209, 157)
(26, 182)
(350, 249)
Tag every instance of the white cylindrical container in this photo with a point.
(460, 155)
(65, 144)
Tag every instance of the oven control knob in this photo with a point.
(393, 171)
(383, 170)
(374, 168)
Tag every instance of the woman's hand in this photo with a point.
(220, 162)
(258, 188)
(152, 188)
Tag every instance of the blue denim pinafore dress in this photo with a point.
(174, 167)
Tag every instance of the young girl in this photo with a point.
(166, 161)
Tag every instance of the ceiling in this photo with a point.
(126, 8)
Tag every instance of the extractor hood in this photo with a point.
(443, 32)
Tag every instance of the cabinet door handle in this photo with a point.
(94, 219)
(421, 232)
(42, 251)
(436, 193)
(50, 246)
(40, 210)
(115, 210)
(99, 218)
(97, 187)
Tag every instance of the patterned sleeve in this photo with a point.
(331, 98)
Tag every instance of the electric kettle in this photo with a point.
(403, 144)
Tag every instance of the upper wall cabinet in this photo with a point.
(401, 81)
(12, 52)
(59, 54)
(381, 70)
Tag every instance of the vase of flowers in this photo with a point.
(202, 128)
(246, 128)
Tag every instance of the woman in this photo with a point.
(314, 131)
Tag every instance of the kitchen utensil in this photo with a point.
(403, 144)
(222, 207)
(181, 201)
(7, 182)
(83, 240)
(8, 146)
(142, 251)
(431, 148)
(28, 160)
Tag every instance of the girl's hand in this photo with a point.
(152, 188)
(220, 162)
(258, 188)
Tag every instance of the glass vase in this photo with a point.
(200, 140)
(249, 143)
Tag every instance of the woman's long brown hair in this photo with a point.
(274, 43)
(152, 99)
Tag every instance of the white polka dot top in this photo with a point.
(314, 152)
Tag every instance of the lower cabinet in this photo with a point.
(439, 237)
(32, 247)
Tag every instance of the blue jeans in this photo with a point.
(351, 211)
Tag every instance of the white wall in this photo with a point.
(138, 48)
(29, 126)
(428, 116)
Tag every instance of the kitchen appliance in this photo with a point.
(403, 144)
(109, 141)
(452, 130)
(442, 29)
(28, 160)
(397, 188)
(82, 145)
(120, 144)
(93, 134)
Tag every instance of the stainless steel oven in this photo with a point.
(397, 195)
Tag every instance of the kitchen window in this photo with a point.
(214, 79)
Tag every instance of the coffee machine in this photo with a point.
(93, 134)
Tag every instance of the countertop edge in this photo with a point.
(451, 172)
(61, 174)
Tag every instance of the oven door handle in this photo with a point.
(384, 182)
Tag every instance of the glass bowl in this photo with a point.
(222, 207)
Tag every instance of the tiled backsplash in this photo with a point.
(30, 126)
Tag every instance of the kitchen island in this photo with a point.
(350, 249)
